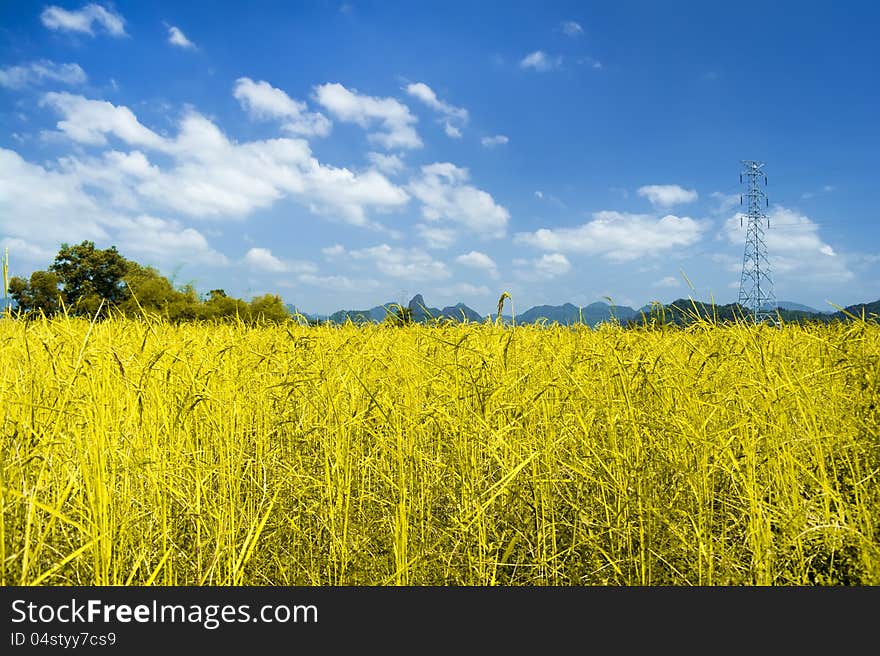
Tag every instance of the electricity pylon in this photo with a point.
(756, 285)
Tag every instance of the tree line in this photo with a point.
(88, 281)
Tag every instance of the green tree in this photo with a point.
(39, 294)
(268, 307)
(221, 306)
(149, 291)
(89, 276)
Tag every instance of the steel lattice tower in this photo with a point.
(756, 286)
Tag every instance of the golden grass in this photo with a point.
(139, 452)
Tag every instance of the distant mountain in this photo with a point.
(568, 314)
(680, 311)
(311, 317)
(374, 314)
(790, 305)
(420, 310)
(459, 311)
(869, 310)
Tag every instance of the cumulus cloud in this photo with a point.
(262, 259)
(572, 28)
(264, 102)
(497, 140)
(83, 20)
(37, 72)
(388, 164)
(41, 208)
(435, 236)
(394, 118)
(726, 202)
(546, 267)
(445, 196)
(163, 241)
(667, 282)
(540, 61)
(90, 121)
(618, 236)
(465, 289)
(46, 207)
(423, 92)
(794, 247)
(667, 195)
(176, 37)
(478, 260)
(23, 252)
(333, 251)
(454, 117)
(411, 264)
(339, 283)
(211, 176)
(552, 265)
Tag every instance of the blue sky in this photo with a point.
(344, 155)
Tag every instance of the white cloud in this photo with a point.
(552, 265)
(37, 72)
(22, 252)
(412, 264)
(668, 281)
(352, 107)
(478, 260)
(164, 241)
(540, 61)
(388, 164)
(263, 101)
(339, 283)
(452, 131)
(333, 251)
(445, 196)
(56, 18)
(618, 236)
(436, 237)
(262, 259)
(826, 189)
(424, 93)
(546, 267)
(539, 194)
(341, 192)
(497, 140)
(41, 208)
(176, 37)
(455, 117)
(726, 202)
(45, 207)
(212, 176)
(572, 28)
(90, 121)
(667, 195)
(464, 289)
(794, 247)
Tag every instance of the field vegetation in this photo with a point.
(142, 451)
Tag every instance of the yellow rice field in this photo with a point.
(140, 452)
